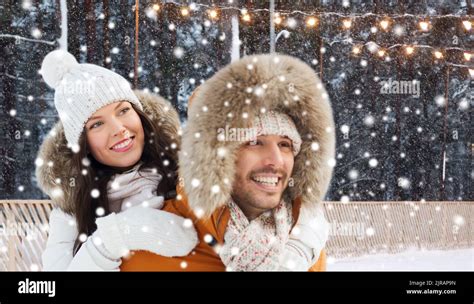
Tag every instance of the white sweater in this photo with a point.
(58, 254)
(125, 190)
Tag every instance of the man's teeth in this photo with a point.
(123, 144)
(272, 181)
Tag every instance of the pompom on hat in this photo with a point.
(81, 90)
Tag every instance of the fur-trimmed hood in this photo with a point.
(56, 173)
(232, 98)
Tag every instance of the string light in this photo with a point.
(424, 26)
(246, 18)
(356, 50)
(347, 23)
(467, 25)
(185, 11)
(311, 21)
(212, 13)
(278, 20)
(438, 54)
(384, 24)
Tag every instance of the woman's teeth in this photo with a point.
(270, 181)
(123, 144)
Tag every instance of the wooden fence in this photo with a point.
(357, 228)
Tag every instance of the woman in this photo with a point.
(108, 166)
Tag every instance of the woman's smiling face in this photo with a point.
(115, 135)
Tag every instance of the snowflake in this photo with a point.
(208, 238)
(178, 52)
(372, 46)
(215, 189)
(370, 231)
(332, 162)
(404, 182)
(353, 174)
(314, 146)
(291, 23)
(187, 223)
(369, 120)
(195, 183)
(36, 33)
(373, 162)
(463, 104)
(440, 100)
(95, 194)
(459, 220)
(399, 30)
(345, 129)
(34, 267)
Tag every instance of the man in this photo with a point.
(258, 148)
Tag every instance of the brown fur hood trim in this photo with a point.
(231, 99)
(56, 174)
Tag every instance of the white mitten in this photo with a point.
(144, 228)
(310, 232)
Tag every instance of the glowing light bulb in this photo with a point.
(424, 26)
(347, 23)
(185, 11)
(467, 25)
(384, 24)
(356, 50)
(311, 21)
(212, 13)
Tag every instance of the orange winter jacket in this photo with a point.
(203, 257)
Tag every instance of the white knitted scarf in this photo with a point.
(134, 187)
(256, 245)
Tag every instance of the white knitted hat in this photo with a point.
(81, 90)
(276, 123)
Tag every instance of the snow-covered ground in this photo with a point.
(429, 260)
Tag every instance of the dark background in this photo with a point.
(409, 167)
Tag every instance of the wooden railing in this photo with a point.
(360, 228)
(357, 228)
(23, 233)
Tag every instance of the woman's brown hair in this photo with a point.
(156, 154)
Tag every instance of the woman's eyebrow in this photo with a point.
(96, 117)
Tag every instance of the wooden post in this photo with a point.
(135, 68)
(445, 127)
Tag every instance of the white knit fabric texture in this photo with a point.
(276, 123)
(81, 90)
